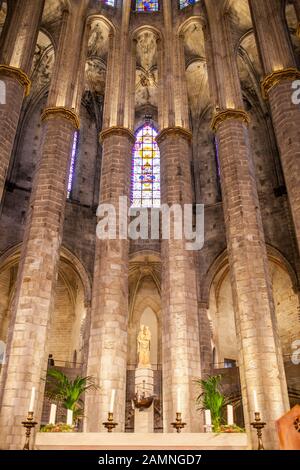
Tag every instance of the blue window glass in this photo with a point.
(73, 163)
(186, 3)
(147, 5)
(145, 176)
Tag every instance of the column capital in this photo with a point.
(274, 78)
(185, 133)
(61, 112)
(117, 130)
(229, 114)
(17, 74)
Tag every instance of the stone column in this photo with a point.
(260, 356)
(181, 353)
(16, 57)
(35, 286)
(108, 335)
(280, 71)
(175, 99)
(180, 328)
(121, 98)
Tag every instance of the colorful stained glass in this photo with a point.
(145, 180)
(73, 163)
(186, 3)
(147, 5)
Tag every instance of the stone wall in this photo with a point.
(221, 313)
(80, 218)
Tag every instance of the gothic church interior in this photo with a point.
(184, 102)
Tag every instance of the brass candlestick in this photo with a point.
(178, 424)
(259, 425)
(110, 424)
(28, 425)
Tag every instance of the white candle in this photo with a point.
(32, 400)
(69, 417)
(255, 402)
(179, 400)
(230, 415)
(52, 418)
(207, 417)
(112, 401)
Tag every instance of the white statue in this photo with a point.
(143, 347)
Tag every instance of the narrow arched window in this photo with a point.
(147, 5)
(218, 169)
(73, 164)
(145, 179)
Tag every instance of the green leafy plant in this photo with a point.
(59, 427)
(67, 392)
(211, 398)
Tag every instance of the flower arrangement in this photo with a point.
(231, 428)
(59, 427)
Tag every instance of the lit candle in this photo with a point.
(52, 418)
(179, 400)
(207, 417)
(32, 400)
(69, 417)
(255, 402)
(112, 401)
(230, 415)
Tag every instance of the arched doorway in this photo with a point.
(144, 309)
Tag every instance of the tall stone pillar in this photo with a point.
(27, 342)
(181, 353)
(260, 356)
(280, 71)
(180, 340)
(108, 335)
(107, 360)
(16, 57)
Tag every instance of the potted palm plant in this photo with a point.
(67, 393)
(211, 398)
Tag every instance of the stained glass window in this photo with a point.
(147, 5)
(73, 163)
(218, 170)
(109, 2)
(145, 180)
(186, 3)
